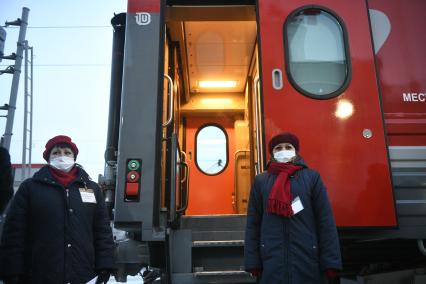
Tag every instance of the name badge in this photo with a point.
(296, 205)
(87, 195)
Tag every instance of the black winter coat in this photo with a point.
(51, 236)
(6, 179)
(292, 250)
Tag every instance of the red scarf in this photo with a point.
(62, 177)
(279, 201)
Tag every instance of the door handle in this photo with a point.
(170, 95)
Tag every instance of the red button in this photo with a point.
(132, 189)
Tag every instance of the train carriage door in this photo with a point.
(210, 148)
(318, 80)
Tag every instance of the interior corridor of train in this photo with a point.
(211, 56)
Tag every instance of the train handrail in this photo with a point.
(256, 113)
(185, 203)
(234, 203)
(170, 94)
(184, 162)
(173, 162)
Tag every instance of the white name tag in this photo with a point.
(296, 205)
(87, 195)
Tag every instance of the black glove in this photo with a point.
(103, 276)
(149, 276)
(12, 279)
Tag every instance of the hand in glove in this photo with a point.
(103, 276)
(149, 276)
(332, 276)
(255, 272)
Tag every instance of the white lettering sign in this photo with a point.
(414, 97)
(143, 19)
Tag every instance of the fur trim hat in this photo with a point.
(60, 139)
(285, 137)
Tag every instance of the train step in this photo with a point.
(204, 277)
(225, 243)
(210, 247)
(214, 222)
(215, 228)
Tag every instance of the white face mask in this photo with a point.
(284, 156)
(62, 163)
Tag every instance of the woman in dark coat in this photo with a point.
(57, 229)
(291, 236)
(6, 179)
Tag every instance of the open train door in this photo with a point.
(318, 80)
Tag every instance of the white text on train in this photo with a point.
(414, 97)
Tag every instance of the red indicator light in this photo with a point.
(132, 190)
(132, 176)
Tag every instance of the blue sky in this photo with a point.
(72, 43)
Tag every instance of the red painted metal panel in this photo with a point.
(401, 67)
(33, 166)
(355, 169)
(150, 6)
(210, 194)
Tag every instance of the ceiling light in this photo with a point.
(217, 84)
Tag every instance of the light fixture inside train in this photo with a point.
(217, 84)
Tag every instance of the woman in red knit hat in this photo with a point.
(291, 236)
(57, 229)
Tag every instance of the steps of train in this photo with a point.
(215, 250)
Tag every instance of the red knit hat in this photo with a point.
(285, 137)
(57, 140)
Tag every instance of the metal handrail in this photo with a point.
(170, 94)
(185, 204)
(186, 172)
(173, 162)
(234, 204)
(256, 99)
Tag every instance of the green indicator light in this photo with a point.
(133, 165)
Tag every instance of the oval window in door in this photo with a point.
(211, 152)
(317, 54)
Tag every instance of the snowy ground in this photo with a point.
(130, 279)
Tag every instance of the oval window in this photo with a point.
(211, 152)
(316, 52)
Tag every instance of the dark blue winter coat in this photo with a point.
(51, 236)
(294, 250)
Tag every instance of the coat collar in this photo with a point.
(43, 175)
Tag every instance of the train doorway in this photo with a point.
(211, 56)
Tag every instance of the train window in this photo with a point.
(211, 150)
(317, 54)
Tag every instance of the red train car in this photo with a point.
(199, 87)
